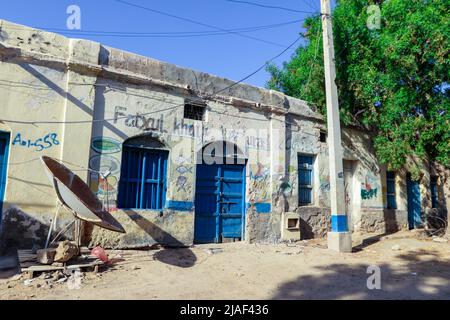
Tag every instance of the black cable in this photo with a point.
(167, 34)
(262, 67)
(270, 7)
(197, 22)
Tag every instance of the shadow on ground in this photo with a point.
(9, 263)
(174, 252)
(418, 275)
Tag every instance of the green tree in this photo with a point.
(393, 81)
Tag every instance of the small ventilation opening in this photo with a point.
(194, 110)
(293, 224)
(323, 136)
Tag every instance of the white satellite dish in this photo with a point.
(75, 195)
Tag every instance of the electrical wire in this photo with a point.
(270, 7)
(262, 67)
(309, 4)
(175, 34)
(314, 60)
(196, 22)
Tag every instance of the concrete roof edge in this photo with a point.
(93, 53)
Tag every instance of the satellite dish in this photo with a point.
(78, 197)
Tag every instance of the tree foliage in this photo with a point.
(393, 81)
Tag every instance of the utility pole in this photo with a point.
(339, 239)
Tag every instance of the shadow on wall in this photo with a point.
(174, 251)
(67, 95)
(22, 231)
(423, 275)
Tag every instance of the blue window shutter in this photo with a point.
(390, 190)
(305, 179)
(143, 178)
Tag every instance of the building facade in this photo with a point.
(178, 156)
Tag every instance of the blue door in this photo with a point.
(4, 144)
(414, 205)
(219, 202)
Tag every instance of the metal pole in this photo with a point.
(52, 225)
(339, 239)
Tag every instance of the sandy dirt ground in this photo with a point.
(411, 268)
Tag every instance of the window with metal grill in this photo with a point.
(194, 110)
(143, 178)
(434, 192)
(305, 180)
(390, 187)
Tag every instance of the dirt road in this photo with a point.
(411, 268)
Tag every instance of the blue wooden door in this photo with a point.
(414, 205)
(4, 144)
(219, 202)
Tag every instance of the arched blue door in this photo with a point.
(219, 202)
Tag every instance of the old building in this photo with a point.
(178, 156)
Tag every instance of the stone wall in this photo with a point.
(315, 222)
(383, 221)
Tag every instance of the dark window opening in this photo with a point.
(323, 136)
(434, 193)
(194, 110)
(293, 224)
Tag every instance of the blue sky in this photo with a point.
(230, 56)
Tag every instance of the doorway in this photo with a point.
(414, 203)
(4, 147)
(220, 197)
(348, 191)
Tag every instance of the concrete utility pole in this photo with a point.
(339, 239)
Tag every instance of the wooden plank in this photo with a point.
(76, 264)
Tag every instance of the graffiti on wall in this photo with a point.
(324, 180)
(140, 121)
(184, 168)
(104, 177)
(183, 129)
(40, 144)
(103, 145)
(260, 183)
(289, 182)
(369, 188)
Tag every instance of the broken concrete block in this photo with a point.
(46, 256)
(66, 250)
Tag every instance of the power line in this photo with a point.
(308, 3)
(262, 67)
(315, 58)
(197, 22)
(167, 34)
(270, 7)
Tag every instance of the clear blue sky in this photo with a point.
(229, 55)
